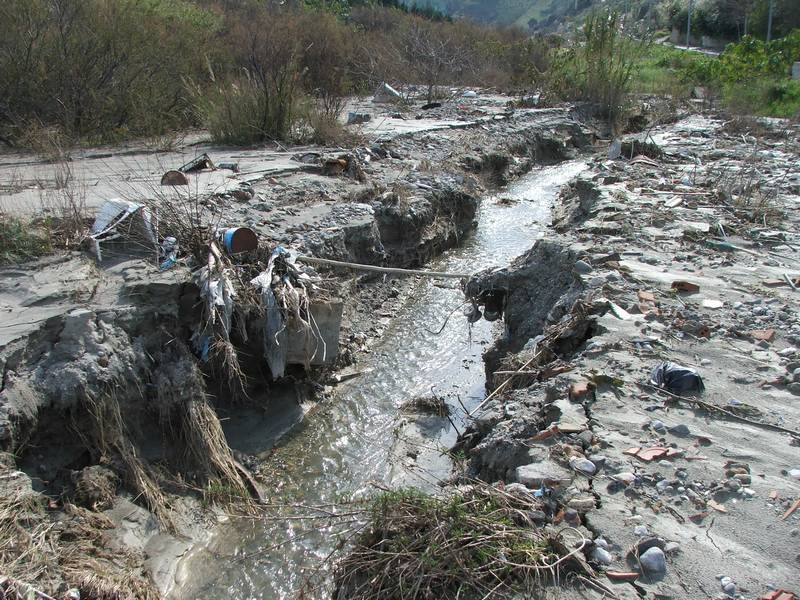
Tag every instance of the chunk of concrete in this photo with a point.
(545, 473)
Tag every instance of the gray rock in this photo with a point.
(598, 459)
(583, 465)
(538, 516)
(602, 556)
(671, 547)
(582, 267)
(680, 430)
(794, 388)
(571, 515)
(653, 561)
(545, 473)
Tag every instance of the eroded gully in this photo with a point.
(361, 437)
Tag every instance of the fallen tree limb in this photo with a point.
(502, 386)
(714, 408)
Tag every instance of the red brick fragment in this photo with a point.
(578, 390)
(766, 335)
(685, 286)
(651, 454)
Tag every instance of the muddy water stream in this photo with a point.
(344, 445)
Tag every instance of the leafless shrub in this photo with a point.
(746, 192)
(65, 205)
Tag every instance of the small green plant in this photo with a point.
(21, 241)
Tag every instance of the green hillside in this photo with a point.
(534, 14)
(501, 12)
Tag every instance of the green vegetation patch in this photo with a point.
(752, 76)
(21, 241)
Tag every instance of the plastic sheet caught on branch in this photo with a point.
(285, 291)
(218, 294)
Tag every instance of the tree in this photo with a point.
(434, 53)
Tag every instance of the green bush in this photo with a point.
(752, 75)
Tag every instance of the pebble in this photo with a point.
(599, 460)
(626, 478)
(794, 473)
(582, 267)
(679, 430)
(653, 561)
(602, 556)
(570, 515)
(602, 543)
(641, 530)
(671, 547)
(658, 426)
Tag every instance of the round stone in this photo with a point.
(653, 561)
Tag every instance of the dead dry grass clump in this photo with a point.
(43, 554)
(111, 439)
(430, 405)
(751, 198)
(479, 542)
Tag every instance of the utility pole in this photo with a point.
(769, 20)
(689, 24)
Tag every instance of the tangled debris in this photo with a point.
(479, 541)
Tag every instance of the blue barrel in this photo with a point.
(236, 240)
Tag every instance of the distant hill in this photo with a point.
(528, 14)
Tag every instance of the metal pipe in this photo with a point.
(388, 270)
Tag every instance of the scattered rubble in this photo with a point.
(660, 320)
